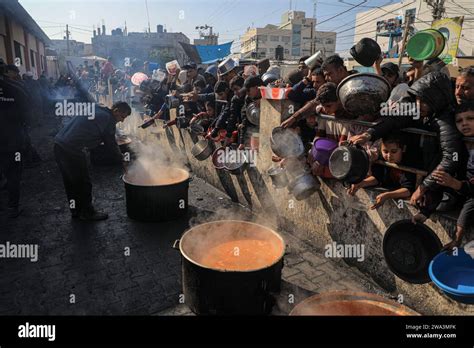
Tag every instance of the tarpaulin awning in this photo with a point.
(206, 54)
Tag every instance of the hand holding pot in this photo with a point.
(289, 122)
(418, 197)
(360, 139)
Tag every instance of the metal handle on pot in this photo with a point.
(176, 244)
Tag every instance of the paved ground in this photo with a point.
(88, 260)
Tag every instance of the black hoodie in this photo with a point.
(435, 90)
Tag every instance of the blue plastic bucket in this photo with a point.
(454, 275)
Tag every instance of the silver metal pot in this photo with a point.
(239, 165)
(253, 114)
(286, 143)
(203, 149)
(303, 186)
(278, 176)
(362, 94)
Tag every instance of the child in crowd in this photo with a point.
(355, 129)
(329, 104)
(306, 129)
(400, 184)
(206, 117)
(464, 117)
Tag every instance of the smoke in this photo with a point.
(154, 163)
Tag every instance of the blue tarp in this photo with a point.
(211, 54)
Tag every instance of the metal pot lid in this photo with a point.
(408, 250)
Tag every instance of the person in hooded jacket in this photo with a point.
(433, 96)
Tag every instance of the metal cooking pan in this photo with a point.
(408, 250)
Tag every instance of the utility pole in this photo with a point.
(437, 8)
(313, 29)
(67, 38)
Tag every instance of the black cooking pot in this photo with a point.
(158, 202)
(349, 163)
(408, 249)
(366, 51)
(211, 289)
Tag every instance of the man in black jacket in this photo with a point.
(433, 95)
(86, 133)
(13, 114)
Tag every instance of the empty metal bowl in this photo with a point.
(362, 94)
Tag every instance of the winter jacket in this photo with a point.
(302, 93)
(435, 90)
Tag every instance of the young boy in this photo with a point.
(400, 184)
(464, 117)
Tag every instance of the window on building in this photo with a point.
(262, 38)
(287, 51)
(329, 41)
(318, 40)
(271, 49)
(32, 58)
(262, 54)
(285, 39)
(18, 51)
(274, 38)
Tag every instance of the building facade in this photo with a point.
(386, 24)
(22, 41)
(294, 37)
(122, 44)
(76, 48)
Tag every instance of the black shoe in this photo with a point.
(93, 216)
(13, 213)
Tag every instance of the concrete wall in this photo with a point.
(326, 216)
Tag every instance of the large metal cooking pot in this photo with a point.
(363, 93)
(349, 163)
(253, 114)
(346, 303)
(160, 200)
(303, 186)
(203, 149)
(278, 176)
(286, 143)
(230, 267)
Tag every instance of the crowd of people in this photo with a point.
(222, 97)
(222, 100)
